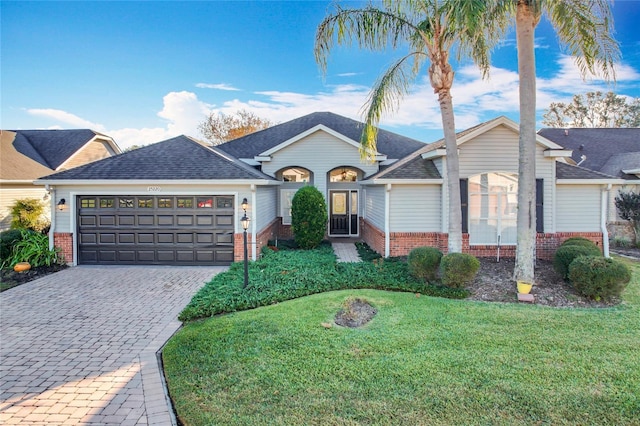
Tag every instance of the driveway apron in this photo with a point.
(79, 346)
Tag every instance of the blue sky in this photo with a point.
(143, 72)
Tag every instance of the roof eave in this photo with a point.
(590, 181)
(155, 182)
(383, 181)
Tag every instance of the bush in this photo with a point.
(458, 269)
(33, 247)
(579, 241)
(28, 213)
(597, 277)
(566, 254)
(308, 217)
(424, 262)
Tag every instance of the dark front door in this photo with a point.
(343, 217)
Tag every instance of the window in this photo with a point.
(206, 202)
(106, 203)
(145, 203)
(286, 195)
(343, 174)
(165, 203)
(185, 203)
(88, 203)
(224, 202)
(295, 174)
(493, 204)
(125, 203)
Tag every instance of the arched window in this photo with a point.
(493, 205)
(343, 174)
(296, 174)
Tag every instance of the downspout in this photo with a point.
(604, 199)
(254, 226)
(387, 209)
(52, 228)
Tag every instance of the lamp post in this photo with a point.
(245, 225)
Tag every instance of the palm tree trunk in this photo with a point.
(453, 172)
(526, 228)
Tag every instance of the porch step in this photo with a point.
(526, 298)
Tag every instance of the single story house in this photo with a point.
(180, 201)
(27, 155)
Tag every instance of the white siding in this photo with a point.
(374, 205)
(319, 152)
(266, 205)
(578, 208)
(10, 193)
(415, 208)
(497, 151)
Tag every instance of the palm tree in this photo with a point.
(430, 29)
(584, 28)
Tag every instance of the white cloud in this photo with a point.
(64, 117)
(219, 86)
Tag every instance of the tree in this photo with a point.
(221, 128)
(594, 109)
(308, 217)
(585, 28)
(628, 206)
(430, 29)
(29, 213)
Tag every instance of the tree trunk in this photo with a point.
(526, 228)
(453, 172)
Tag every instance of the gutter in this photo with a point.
(387, 209)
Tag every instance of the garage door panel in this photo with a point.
(184, 230)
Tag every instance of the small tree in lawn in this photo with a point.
(308, 217)
(628, 205)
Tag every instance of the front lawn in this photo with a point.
(421, 360)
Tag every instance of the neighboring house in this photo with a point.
(26, 155)
(179, 201)
(614, 152)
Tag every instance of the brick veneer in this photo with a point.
(64, 241)
(269, 232)
(401, 243)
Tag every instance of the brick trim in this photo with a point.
(64, 241)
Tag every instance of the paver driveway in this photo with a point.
(79, 346)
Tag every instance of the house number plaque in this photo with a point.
(154, 188)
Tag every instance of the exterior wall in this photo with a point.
(269, 232)
(266, 197)
(64, 241)
(93, 151)
(374, 205)
(320, 153)
(578, 208)
(372, 235)
(415, 208)
(497, 151)
(10, 193)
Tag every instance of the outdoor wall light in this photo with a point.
(61, 204)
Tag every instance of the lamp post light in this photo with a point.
(245, 225)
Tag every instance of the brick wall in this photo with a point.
(269, 232)
(64, 241)
(401, 243)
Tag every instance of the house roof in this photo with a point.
(415, 168)
(17, 165)
(569, 171)
(605, 150)
(179, 158)
(390, 144)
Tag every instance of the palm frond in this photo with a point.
(385, 97)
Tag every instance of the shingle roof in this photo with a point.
(16, 165)
(388, 143)
(416, 168)
(568, 171)
(609, 150)
(179, 158)
(51, 148)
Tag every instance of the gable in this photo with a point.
(17, 166)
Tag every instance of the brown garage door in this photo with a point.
(155, 230)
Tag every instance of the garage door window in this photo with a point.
(88, 203)
(224, 202)
(165, 203)
(126, 203)
(185, 203)
(145, 203)
(205, 203)
(106, 203)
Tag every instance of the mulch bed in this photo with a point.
(494, 283)
(9, 278)
(356, 313)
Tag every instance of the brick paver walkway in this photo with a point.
(346, 252)
(79, 346)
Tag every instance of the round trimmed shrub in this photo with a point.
(567, 253)
(598, 277)
(424, 262)
(308, 217)
(458, 269)
(579, 241)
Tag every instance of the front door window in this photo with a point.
(343, 218)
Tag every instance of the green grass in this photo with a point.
(420, 361)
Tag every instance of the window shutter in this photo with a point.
(539, 205)
(464, 203)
